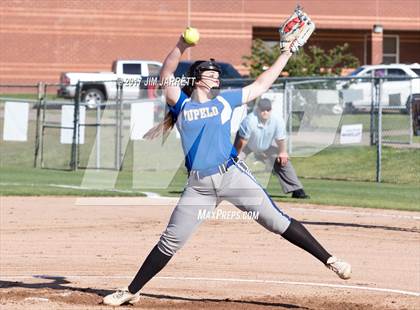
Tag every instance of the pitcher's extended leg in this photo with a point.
(184, 221)
(243, 191)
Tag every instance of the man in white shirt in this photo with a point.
(256, 134)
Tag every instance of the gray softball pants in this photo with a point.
(203, 194)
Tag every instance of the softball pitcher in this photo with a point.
(202, 115)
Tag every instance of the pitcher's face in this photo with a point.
(209, 79)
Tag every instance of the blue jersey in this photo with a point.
(205, 129)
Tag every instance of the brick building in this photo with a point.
(41, 38)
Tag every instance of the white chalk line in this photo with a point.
(154, 195)
(339, 286)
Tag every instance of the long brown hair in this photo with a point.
(194, 71)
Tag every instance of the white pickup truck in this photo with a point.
(401, 83)
(98, 87)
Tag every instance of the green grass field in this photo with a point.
(338, 175)
(399, 165)
(347, 165)
(38, 182)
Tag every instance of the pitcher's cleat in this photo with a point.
(341, 268)
(120, 297)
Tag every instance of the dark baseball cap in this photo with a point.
(264, 104)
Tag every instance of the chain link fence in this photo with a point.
(331, 122)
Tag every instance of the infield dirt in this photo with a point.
(66, 253)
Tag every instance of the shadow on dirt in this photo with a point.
(414, 230)
(61, 283)
(58, 283)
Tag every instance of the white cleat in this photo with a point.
(341, 268)
(120, 297)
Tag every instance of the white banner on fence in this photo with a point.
(67, 120)
(327, 96)
(351, 134)
(350, 95)
(142, 119)
(15, 127)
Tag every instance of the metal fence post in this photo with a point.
(98, 136)
(372, 109)
(121, 137)
(43, 130)
(74, 151)
(41, 96)
(118, 120)
(410, 111)
(287, 103)
(379, 135)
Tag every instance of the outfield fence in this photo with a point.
(325, 116)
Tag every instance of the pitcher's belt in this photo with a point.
(223, 168)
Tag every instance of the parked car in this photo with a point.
(230, 77)
(400, 84)
(99, 87)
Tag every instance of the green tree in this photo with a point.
(309, 62)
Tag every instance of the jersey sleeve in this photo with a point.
(245, 129)
(280, 133)
(233, 96)
(176, 109)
